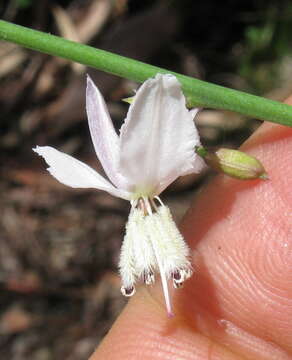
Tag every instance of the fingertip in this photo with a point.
(134, 329)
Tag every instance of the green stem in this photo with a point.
(198, 93)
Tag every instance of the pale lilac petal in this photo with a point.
(193, 112)
(198, 164)
(103, 134)
(158, 138)
(74, 173)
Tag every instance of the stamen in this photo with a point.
(159, 200)
(128, 291)
(148, 277)
(154, 205)
(148, 206)
(133, 203)
(178, 278)
(177, 285)
(142, 206)
(177, 275)
(186, 273)
(127, 257)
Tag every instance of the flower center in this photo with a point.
(148, 205)
(143, 192)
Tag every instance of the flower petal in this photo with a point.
(103, 134)
(74, 173)
(158, 138)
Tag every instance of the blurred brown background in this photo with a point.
(59, 247)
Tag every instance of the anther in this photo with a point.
(187, 273)
(141, 205)
(148, 277)
(177, 276)
(177, 285)
(128, 291)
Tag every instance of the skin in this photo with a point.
(238, 303)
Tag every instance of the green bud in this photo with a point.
(201, 151)
(234, 163)
(128, 100)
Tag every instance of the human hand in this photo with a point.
(238, 303)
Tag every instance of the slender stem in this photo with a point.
(198, 93)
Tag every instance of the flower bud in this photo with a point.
(128, 100)
(234, 163)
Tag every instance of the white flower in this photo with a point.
(155, 146)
